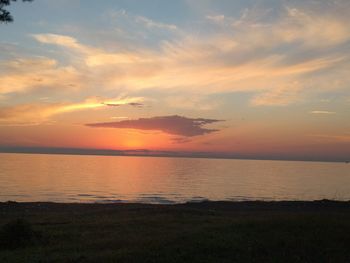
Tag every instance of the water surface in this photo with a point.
(76, 178)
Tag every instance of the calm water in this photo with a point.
(73, 178)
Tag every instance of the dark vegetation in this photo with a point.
(5, 15)
(17, 234)
(197, 232)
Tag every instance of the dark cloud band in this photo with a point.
(176, 125)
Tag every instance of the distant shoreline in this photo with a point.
(166, 154)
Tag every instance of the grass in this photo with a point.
(206, 232)
(17, 234)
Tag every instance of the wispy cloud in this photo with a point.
(249, 61)
(333, 137)
(25, 74)
(322, 112)
(278, 97)
(145, 22)
(90, 55)
(175, 125)
(151, 23)
(251, 53)
(36, 113)
(216, 18)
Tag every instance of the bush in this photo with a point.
(17, 234)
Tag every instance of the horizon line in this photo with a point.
(164, 153)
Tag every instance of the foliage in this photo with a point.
(5, 15)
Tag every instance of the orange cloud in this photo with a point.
(250, 60)
(36, 113)
(23, 75)
(214, 64)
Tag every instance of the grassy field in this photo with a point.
(203, 232)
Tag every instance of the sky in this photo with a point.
(258, 78)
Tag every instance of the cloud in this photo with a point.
(302, 25)
(322, 112)
(313, 29)
(213, 64)
(90, 55)
(150, 23)
(25, 74)
(36, 113)
(344, 138)
(282, 96)
(65, 41)
(145, 22)
(136, 104)
(216, 18)
(257, 53)
(119, 117)
(175, 125)
(116, 104)
(190, 101)
(180, 140)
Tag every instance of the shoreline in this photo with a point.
(276, 204)
(239, 204)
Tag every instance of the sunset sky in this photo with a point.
(245, 77)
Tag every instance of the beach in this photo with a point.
(291, 231)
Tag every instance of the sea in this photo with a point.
(164, 180)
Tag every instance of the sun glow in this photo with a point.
(133, 143)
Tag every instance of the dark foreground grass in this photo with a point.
(203, 232)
